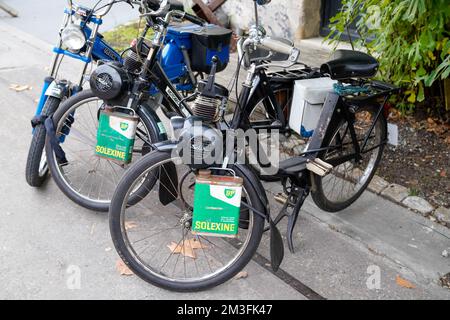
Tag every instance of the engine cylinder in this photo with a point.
(207, 108)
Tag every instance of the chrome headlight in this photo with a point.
(73, 38)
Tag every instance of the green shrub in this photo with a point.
(411, 39)
(121, 37)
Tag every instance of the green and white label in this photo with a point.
(216, 209)
(115, 137)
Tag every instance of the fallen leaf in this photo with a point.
(445, 281)
(404, 283)
(443, 173)
(241, 275)
(196, 244)
(19, 88)
(123, 268)
(186, 247)
(130, 225)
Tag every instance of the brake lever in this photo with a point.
(130, 3)
(177, 19)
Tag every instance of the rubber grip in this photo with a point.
(276, 45)
(194, 19)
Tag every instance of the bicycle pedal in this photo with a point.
(324, 164)
(320, 167)
(281, 198)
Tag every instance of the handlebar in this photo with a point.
(164, 6)
(107, 8)
(270, 44)
(194, 19)
(102, 13)
(277, 46)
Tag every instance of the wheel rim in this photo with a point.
(43, 166)
(153, 254)
(86, 175)
(349, 179)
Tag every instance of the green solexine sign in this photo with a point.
(216, 209)
(115, 136)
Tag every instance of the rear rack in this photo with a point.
(297, 73)
(368, 90)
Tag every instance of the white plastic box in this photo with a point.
(307, 103)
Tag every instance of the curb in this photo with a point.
(400, 195)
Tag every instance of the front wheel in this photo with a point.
(86, 178)
(349, 177)
(155, 240)
(36, 171)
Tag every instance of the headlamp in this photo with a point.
(73, 38)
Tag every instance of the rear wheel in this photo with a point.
(36, 171)
(350, 178)
(155, 240)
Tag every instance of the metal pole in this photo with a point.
(13, 13)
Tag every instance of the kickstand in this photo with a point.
(291, 210)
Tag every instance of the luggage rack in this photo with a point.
(297, 73)
(360, 90)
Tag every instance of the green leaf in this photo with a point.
(431, 78)
(421, 93)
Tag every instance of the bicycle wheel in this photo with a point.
(349, 179)
(287, 144)
(85, 178)
(147, 235)
(36, 171)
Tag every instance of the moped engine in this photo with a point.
(200, 138)
(110, 81)
(212, 98)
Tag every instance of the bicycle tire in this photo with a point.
(36, 172)
(319, 195)
(116, 220)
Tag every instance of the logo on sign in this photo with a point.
(124, 126)
(230, 193)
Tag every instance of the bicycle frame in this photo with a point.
(173, 63)
(294, 173)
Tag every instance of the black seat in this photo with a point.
(345, 64)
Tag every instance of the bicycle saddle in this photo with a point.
(346, 64)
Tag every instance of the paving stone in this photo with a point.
(443, 215)
(378, 184)
(418, 204)
(395, 192)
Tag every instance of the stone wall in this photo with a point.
(293, 19)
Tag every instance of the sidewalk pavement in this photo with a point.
(43, 234)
